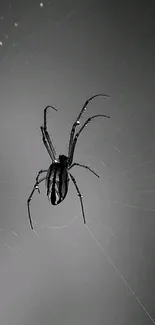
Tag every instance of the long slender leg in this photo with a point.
(37, 178)
(77, 122)
(45, 114)
(80, 196)
(46, 138)
(76, 164)
(30, 198)
(46, 143)
(70, 157)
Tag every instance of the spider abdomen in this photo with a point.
(57, 183)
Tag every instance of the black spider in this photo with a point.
(57, 175)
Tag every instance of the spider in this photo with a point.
(57, 176)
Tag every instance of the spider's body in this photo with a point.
(58, 174)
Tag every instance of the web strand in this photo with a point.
(121, 276)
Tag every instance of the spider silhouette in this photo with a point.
(57, 176)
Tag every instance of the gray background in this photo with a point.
(60, 54)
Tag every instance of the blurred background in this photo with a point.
(60, 53)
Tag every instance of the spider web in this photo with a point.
(16, 232)
(51, 227)
(121, 276)
(37, 233)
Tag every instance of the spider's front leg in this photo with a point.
(45, 136)
(77, 122)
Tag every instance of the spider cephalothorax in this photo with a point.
(63, 160)
(57, 175)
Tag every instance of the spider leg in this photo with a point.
(37, 178)
(30, 198)
(46, 143)
(45, 113)
(77, 122)
(80, 196)
(70, 157)
(46, 138)
(76, 164)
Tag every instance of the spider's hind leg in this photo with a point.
(80, 196)
(31, 195)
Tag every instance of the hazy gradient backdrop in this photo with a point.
(59, 53)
